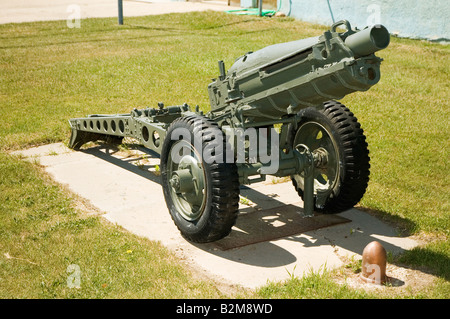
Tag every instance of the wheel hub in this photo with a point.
(181, 181)
(187, 183)
(326, 159)
(320, 157)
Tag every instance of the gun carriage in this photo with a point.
(292, 86)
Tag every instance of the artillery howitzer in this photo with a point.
(292, 86)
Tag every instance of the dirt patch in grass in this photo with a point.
(401, 281)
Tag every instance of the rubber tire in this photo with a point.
(353, 152)
(222, 186)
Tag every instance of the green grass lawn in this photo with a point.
(50, 73)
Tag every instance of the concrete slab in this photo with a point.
(126, 187)
(45, 10)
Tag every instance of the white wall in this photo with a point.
(426, 19)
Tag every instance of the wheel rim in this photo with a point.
(327, 169)
(187, 182)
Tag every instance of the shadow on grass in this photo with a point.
(428, 260)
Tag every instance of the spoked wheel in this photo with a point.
(341, 157)
(201, 190)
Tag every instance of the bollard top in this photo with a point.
(374, 260)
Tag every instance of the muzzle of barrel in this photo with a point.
(369, 40)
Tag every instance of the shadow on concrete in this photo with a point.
(109, 152)
(352, 230)
(274, 223)
(353, 233)
(264, 254)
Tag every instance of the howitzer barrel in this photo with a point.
(368, 41)
(283, 78)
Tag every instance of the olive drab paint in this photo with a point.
(262, 120)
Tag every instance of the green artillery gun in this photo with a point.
(289, 86)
